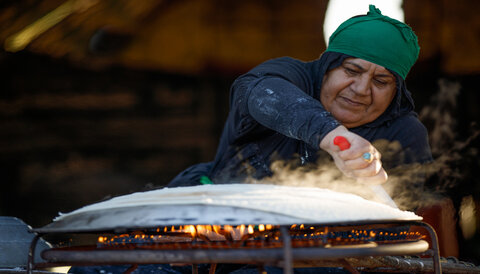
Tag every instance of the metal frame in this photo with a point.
(286, 255)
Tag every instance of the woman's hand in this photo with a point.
(351, 161)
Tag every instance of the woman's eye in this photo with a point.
(351, 71)
(380, 82)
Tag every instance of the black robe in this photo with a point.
(275, 113)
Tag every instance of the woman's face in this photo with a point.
(357, 92)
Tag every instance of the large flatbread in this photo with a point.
(312, 205)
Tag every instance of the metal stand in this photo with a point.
(287, 250)
(31, 254)
(435, 250)
(287, 253)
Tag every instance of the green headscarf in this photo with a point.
(378, 39)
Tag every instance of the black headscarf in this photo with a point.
(401, 104)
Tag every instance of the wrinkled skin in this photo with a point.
(356, 93)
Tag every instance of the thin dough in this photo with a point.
(311, 204)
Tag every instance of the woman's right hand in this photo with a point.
(351, 162)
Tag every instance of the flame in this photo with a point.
(201, 229)
(239, 235)
(242, 229)
(192, 230)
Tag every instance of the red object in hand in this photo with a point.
(341, 142)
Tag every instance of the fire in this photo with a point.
(216, 228)
(102, 239)
(192, 230)
(262, 234)
(242, 229)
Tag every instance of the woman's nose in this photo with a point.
(361, 86)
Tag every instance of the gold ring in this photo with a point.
(367, 157)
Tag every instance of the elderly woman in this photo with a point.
(286, 108)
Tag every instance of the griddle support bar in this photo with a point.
(194, 268)
(287, 250)
(435, 248)
(31, 254)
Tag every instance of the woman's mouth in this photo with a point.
(352, 102)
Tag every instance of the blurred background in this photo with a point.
(104, 98)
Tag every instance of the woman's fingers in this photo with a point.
(380, 178)
(359, 151)
(360, 160)
(363, 160)
(361, 168)
(364, 166)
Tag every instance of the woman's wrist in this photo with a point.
(327, 142)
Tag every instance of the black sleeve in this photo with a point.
(407, 143)
(278, 95)
(414, 139)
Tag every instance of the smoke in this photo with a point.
(454, 158)
(323, 174)
(414, 186)
(438, 116)
(411, 186)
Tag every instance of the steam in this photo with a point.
(323, 174)
(438, 116)
(454, 158)
(411, 186)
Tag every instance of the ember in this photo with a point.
(252, 236)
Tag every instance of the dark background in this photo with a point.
(120, 96)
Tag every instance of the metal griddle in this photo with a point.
(125, 219)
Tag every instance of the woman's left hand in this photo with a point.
(361, 160)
